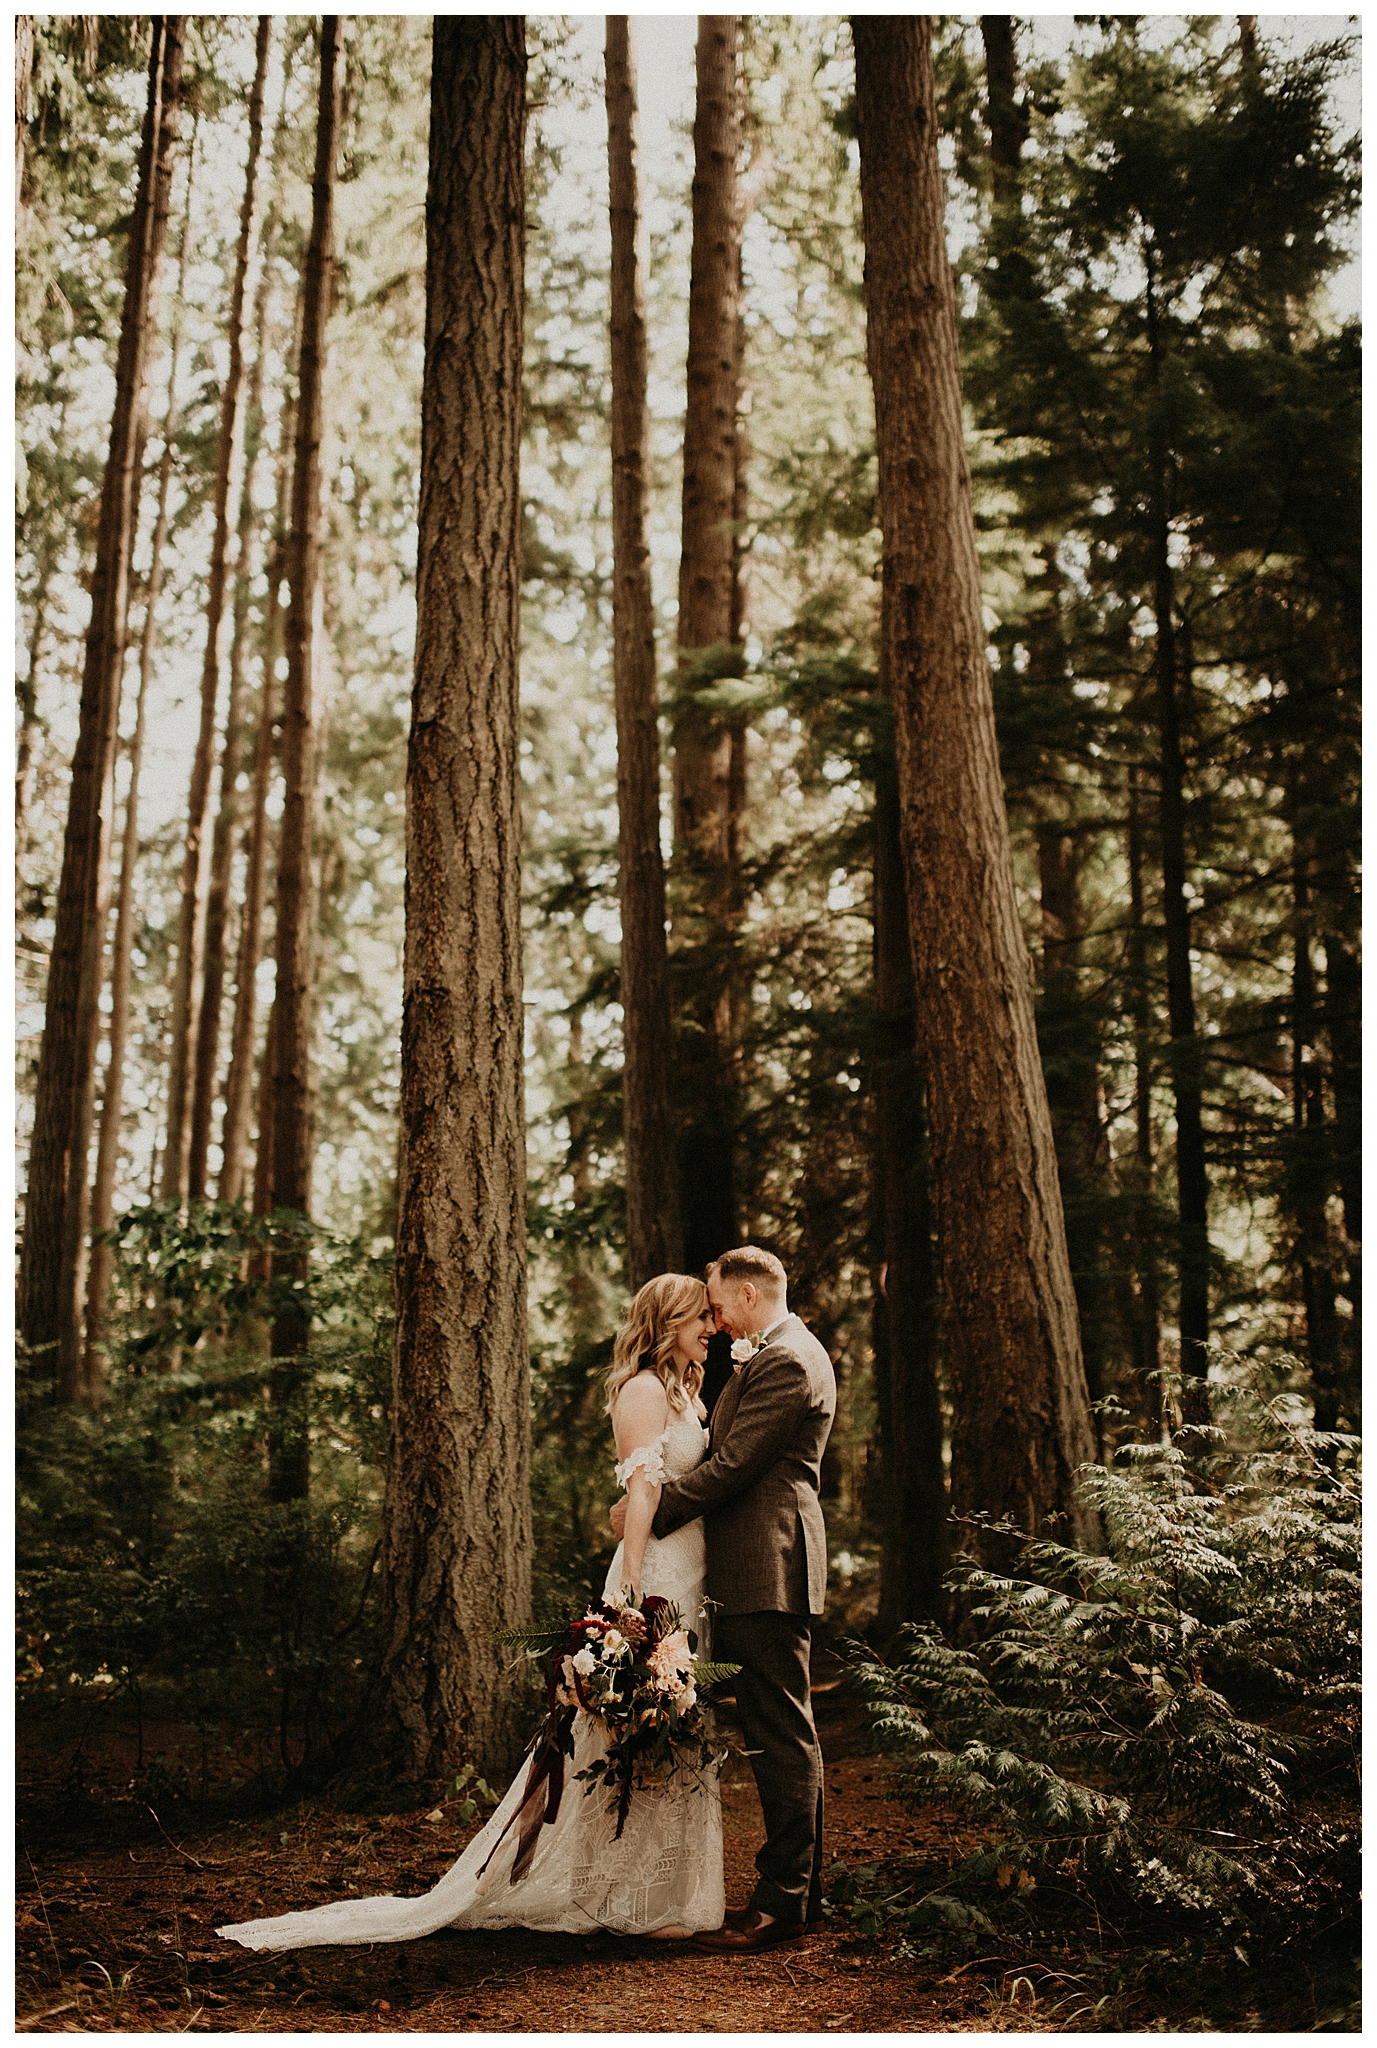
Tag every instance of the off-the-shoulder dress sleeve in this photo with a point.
(651, 1456)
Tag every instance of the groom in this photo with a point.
(757, 1492)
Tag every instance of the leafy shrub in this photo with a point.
(153, 1566)
(150, 1560)
(1177, 1719)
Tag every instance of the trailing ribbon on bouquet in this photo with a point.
(546, 1775)
(634, 1670)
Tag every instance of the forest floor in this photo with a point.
(117, 1908)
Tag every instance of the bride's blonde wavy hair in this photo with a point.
(646, 1340)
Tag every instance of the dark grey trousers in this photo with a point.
(776, 1716)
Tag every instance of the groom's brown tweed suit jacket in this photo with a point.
(757, 1489)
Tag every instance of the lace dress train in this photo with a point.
(665, 1871)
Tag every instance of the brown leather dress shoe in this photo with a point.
(737, 1916)
(757, 1931)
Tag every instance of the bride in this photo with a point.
(664, 1877)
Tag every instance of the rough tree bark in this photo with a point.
(102, 1258)
(289, 1454)
(1022, 1424)
(707, 793)
(654, 1241)
(905, 1322)
(52, 1268)
(187, 989)
(457, 1523)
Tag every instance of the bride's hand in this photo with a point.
(618, 1518)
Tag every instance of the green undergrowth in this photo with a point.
(1164, 1736)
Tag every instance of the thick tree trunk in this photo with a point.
(1192, 1181)
(653, 1240)
(905, 1324)
(1021, 1415)
(457, 1525)
(707, 763)
(187, 987)
(52, 1269)
(112, 1104)
(292, 1141)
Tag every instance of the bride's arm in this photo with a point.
(638, 1421)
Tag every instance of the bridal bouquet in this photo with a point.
(633, 1667)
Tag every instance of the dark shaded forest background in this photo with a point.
(1161, 413)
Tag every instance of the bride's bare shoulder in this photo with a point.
(640, 1403)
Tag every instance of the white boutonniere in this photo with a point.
(744, 1349)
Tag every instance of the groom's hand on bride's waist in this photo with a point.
(617, 1518)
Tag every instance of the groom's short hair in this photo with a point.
(749, 1262)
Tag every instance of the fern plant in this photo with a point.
(1179, 1717)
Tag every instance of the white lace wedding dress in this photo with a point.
(665, 1871)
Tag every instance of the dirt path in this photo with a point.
(119, 1936)
(116, 1933)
